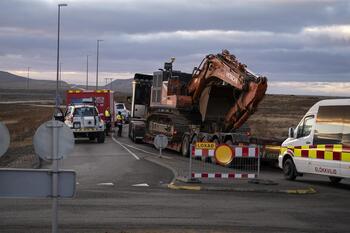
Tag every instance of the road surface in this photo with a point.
(119, 191)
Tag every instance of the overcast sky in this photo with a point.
(303, 41)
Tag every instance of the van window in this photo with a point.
(305, 128)
(333, 125)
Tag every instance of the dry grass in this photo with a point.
(22, 122)
(276, 113)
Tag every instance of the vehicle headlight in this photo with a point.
(76, 125)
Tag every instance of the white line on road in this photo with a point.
(147, 152)
(105, 184)
(141, 185)
(135, 156)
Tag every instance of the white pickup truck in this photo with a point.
(85, 121)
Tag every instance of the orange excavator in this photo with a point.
(211, 104)
(231, 79)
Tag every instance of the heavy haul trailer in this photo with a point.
(212, 104)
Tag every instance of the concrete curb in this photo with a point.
(229, 189)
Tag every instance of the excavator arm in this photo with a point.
(222, 86)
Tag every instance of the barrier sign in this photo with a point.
(4, 139)
(35, 183)
(205, 145)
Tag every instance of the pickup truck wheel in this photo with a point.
(335, 180)
(185, 146)
(289, 170)
(101, 137)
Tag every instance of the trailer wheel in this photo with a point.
(335, 180)
(185, 146)
(289, 170)
(101, 137)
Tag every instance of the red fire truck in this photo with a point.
(102, 99)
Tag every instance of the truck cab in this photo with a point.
(84, 120)
(320, 144)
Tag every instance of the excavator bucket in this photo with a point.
(227, 93)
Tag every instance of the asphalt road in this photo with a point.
(107, 201)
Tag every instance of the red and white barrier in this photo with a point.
(224, 175)
(252, 152)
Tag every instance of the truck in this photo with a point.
(320, 144)
(212, 104)
(101, 99)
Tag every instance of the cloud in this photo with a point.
(285, 40)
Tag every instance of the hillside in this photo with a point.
(120, 85)
(12, 81)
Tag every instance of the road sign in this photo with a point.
(160, 141)
(224, 154)
(35, 183)
(205, 145)
(43, 140)
(4, 139)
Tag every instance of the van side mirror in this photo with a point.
(290, 132)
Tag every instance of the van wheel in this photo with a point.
(101, 137)
(289, 170)
(335, 180)
(185, 146)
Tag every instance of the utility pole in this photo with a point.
(98, 51)
(60, 77)
(28, 68)
(87, 72)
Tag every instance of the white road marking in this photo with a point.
(141, 185)
(147, 152)
(105, 184)
(135, 156)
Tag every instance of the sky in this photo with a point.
(301, 46)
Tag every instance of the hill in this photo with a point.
(120, 86)
(12, 81)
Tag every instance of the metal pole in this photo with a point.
(133, 98)
(98, 51)
(55, 178)
(258, 162)
(60, 78)
(55, 137)
(160, 152)
(87, 72)
(28, 77)
(190, 166)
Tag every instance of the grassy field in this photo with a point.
(22, 122)
(275, 114)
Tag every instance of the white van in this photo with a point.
(320, 144)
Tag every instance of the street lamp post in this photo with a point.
(58, 50)
(55, 137)
(60, 76)
(87, 72)
(28, 68)
(98, 51)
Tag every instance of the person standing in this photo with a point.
(119, 122)
(108, 121)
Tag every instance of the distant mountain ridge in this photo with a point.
(120, 85)
(12, 81)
